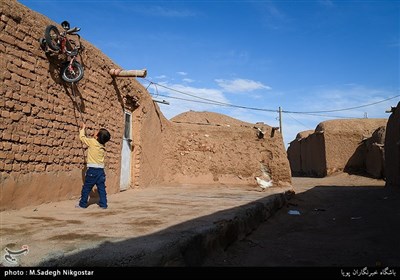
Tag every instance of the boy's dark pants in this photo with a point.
(94, 176)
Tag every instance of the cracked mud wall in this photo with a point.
(210, 148)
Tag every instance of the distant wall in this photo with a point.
(313, 161)
(294, 157)
(392, 149)
(207, 154)
(306, 154)
(345, 150)
(336, 145)
(294, 153)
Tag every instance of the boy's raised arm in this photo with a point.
(82, 135)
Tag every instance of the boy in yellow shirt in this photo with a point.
(95, 174)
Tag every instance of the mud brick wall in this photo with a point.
(41, 157)
(198, 151)
(392, 149)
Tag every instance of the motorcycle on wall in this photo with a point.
(55, 41)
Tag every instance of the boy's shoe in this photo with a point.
(102, 207)
(78, 206)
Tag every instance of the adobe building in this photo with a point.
(42, 159)
(335, 145)
(392, 148)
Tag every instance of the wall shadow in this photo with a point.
(118, 92)
(348, 217)
(337, 226)
(55, 63)
(356, 163)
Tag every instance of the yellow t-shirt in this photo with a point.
(96, 151)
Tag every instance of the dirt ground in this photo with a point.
(142, 220)
(344, 221)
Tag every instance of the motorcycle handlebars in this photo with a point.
(72, 30)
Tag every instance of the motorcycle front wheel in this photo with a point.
(72, 73)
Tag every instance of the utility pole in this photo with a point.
(280, 120)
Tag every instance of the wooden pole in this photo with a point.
(280, 120)
(128, 73)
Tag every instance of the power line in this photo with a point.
(191, 100)
(298, 121)
(214, 102)
(188, 94)
(289, 114)
(345, 109)
(326, 116)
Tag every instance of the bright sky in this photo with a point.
(302, 56)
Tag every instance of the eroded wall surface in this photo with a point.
(225, 151)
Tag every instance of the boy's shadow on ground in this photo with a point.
(93, 197)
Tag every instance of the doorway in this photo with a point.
(125, 179)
